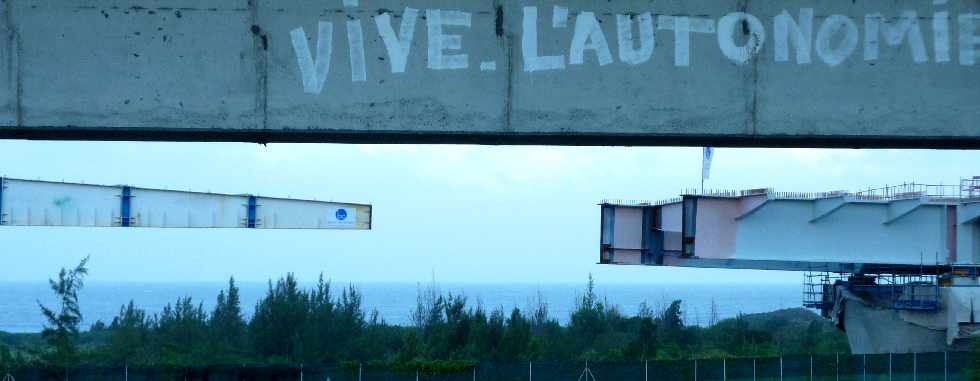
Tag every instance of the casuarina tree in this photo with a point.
(61, 329)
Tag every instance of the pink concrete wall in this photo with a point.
(715, 235)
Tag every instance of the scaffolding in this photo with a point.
(970, 188)
(818, 290)
(913, 292)
(916, 292)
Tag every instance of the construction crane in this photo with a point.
(896, 267)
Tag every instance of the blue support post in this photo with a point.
(125, 202)
(652, 240)
(252, 207)
(689, 215)
(606, 230)
(1, 200)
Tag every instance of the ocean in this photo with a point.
(19, 311)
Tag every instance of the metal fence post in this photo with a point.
(724, 369)
(646, 370)
(837, 366)
(945, 366)
(360, 370)
(126, 372)
(753, 369)
(915, 366)
(300, 372)
(695, 369)
(530, 377)
(889, 366)
(811, 367)
(780, 368)
(864, 367)
(474, 373)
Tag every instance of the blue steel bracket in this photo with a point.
(689, 214)
(125, 206)
(645, 237)
(2, 221)
(652, 240)
(252, 208)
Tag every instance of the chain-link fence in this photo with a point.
(884, 367)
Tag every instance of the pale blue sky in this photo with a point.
(462, 213)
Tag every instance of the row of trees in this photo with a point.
(296, 325)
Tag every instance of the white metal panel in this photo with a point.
(968, 233)
(628, 228)
(853, 233)
(968, 242)
(789, 233)
(672, 216)
(42, 203)
(672, 241)
(165, 209)
(278, 213)
(627, 257)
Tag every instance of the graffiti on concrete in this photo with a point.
(797, 37)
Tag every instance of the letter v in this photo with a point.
(314, 72)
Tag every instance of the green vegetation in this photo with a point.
(61, 332)
(292, 325)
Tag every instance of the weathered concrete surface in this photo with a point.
(872, 327)
(234, 70)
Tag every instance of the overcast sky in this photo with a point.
(458, 213)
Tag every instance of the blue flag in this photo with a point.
(709, 152)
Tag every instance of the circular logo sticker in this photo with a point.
(341, 214)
